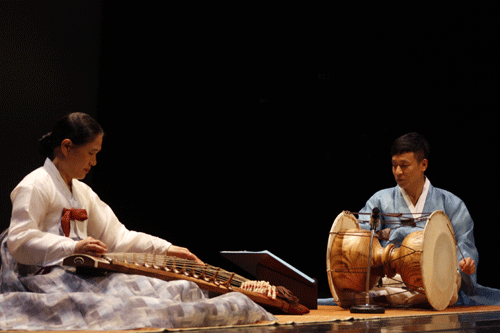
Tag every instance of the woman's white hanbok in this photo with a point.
(62, 299)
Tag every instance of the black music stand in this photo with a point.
(264, 265)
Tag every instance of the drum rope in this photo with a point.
(362, 269)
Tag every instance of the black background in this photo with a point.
(251, 127)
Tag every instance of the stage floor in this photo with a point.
(483, 319)
(470, 322)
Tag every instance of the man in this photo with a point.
(414, 194)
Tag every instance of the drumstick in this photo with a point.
(456, 243)
(468, 285)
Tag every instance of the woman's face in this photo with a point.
(80, 159)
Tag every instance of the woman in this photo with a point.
(36, 235)
(55, 215)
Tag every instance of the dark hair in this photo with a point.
(79, 127)
(411, 143)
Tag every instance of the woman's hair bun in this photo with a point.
(79, 127)
(45, 145)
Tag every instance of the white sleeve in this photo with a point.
(27, 243)
(105, 226)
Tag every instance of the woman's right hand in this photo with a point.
(91, 246)
(182, 252)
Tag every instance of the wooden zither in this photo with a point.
(213, 279)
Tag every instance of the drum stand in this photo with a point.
(367, 307)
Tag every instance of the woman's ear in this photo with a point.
(65, 146)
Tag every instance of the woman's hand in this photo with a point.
(91, 246)
(183, 253)
(467, 265)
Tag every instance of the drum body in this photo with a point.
(426, 260)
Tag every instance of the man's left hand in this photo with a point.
(467, 265)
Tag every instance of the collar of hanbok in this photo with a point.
(419, 207)
(60, 183)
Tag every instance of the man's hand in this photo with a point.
(91, 246)
(183, 253)
(384, 234)
(467, 265)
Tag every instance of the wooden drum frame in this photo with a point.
(426, 260)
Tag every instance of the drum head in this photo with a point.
(344, 221)
(439, 260)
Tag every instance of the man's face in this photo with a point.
(407, 170)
